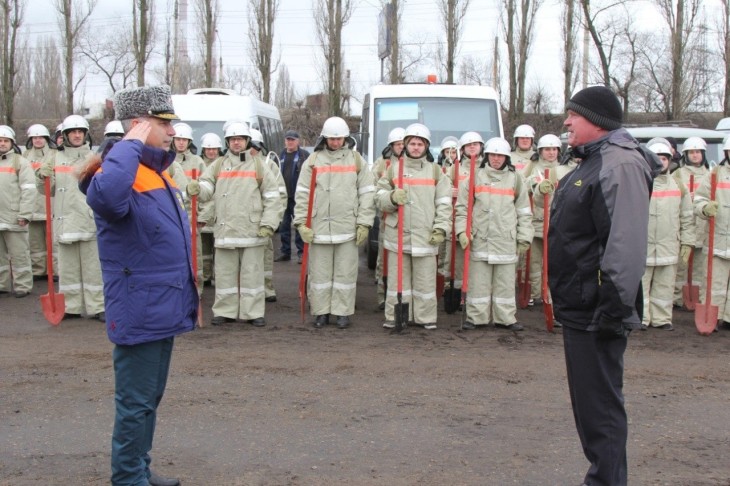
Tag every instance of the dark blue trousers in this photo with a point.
(595, 378)
(285, 231)
(140, 376)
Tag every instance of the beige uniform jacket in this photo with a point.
(722, 219)
(17, 191)
(670, 222)
(682, 175)
(36, 157)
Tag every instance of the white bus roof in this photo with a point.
(432, 91)
(220, 107)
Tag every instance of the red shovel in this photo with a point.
(305, 252)
(53, 304)
(547, 303)
(690, 292)
(706, 313)
(194, 243)
(401, 309)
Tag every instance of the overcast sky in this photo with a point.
(295, 36)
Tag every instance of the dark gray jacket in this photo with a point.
(598, 235)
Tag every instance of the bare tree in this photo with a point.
(474, 70)
(143, 35)
(724, 30)
(112, 57)
(330, 17)
(40, 97)
(570, 34)
(72, 19)
(539, 98)
(12, 20)
(208, 14)
(262, 15)
(518, 21)
(284, 94)
(452, 12)
(624, 75)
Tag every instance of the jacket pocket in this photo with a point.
(582, 292)
(155, 301)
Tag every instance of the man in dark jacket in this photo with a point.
(292, 158)
(149, 286)
(597, 252)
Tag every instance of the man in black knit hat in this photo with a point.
(597, 253)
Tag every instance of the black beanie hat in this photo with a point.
(599, 105)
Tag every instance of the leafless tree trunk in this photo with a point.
(284, 94)
(589, 17)
(452, 12)
(208, 14)
(143, 35)
(262, 15)
(72, 18)
(396, 10)
(725, 49)
(570, 34)
(330, 17)
(12, 11)
(624, 76)
(40, 97)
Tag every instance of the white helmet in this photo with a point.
(257, 136)
(237, 129)
(396, 135)
(73, 122)
(183, 130)
(418, 130)
(7, 132)
(335, 127)
(498, 145)
(726, 144)
(694, 143)
(38, 130)
(450, 143)
(524, 131)
(661, 149)
(470, 137)
(548, 141)
(114, 127)
(211, 140)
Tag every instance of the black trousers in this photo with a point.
(595, 378)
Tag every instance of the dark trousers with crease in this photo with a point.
(595, 370)
(285, 231)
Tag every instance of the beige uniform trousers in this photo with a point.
(419, 288)
(269, 289)
(15, 258)
(199, 262)
(37, 244)
(79, 277)
(491, 296)
(239, 282)
(458, 264)
(720, 288)
(332, 278)
(536, 268)
(658, 286)
(699, 276)
(208, 247)
(379, 280)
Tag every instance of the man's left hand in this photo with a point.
(265, 232)
(362, 234)
(437, 237)
(522, 247)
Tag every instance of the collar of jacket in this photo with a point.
(415, 163)
(155, 158)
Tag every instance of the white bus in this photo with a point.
(446, 109)
(207, 109)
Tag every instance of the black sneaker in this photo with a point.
(270, 298)
(258, 322)
(510, 327)
(322, 320)
(468, 326)
(343, 322)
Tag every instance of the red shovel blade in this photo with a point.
(690, 296)
(54, 306)
(547, 308)
(706, 318)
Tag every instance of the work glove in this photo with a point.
(684, 253)
(437, 237)
(362, 234)
(399, 197)
(546, 187)
(710, 210)
(463, 240)
(193, 188)
(45, 170)
(306, 233)
(522, 247)
(265, 232)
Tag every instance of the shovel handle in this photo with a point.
(49, 241)
(305, 251)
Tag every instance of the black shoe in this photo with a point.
(343, 322)
(510, 327)
(643, 327)
(218, 320)
(270, 298)
(282, 258)
(100, 316)
(381, 306)
(322, 320)
(666, 327)
(70, 315)
(299, 259)
(258, 322)
(156, 480)
(21, 293)
(725, 325)
(468, 326)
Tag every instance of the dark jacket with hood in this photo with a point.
(598, 235)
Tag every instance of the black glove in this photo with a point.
(611, 328)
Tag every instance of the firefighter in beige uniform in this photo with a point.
(449, 153)
(74, 227)
(720, 210)
(501, 230)
(389, 155)
(548, 154)
(470, 143)
(258, 149)
(37, 151)
(17, 198)
(342, 215)
(247, 207)
(693, 162)
(426, 201)
(670, 239)
(212, 147)
(524, 139)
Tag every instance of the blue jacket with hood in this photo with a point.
(143, 233)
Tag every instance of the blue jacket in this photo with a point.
(143, 233)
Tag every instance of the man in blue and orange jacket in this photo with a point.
(149, 285)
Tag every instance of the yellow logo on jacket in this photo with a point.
(578, 183)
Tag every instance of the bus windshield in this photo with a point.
(442, 116)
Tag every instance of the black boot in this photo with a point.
(343, 322)
(322, 320)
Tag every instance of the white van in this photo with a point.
(207, 109)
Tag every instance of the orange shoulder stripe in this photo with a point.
(336, 168)
(237, 174)
(495, 190)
